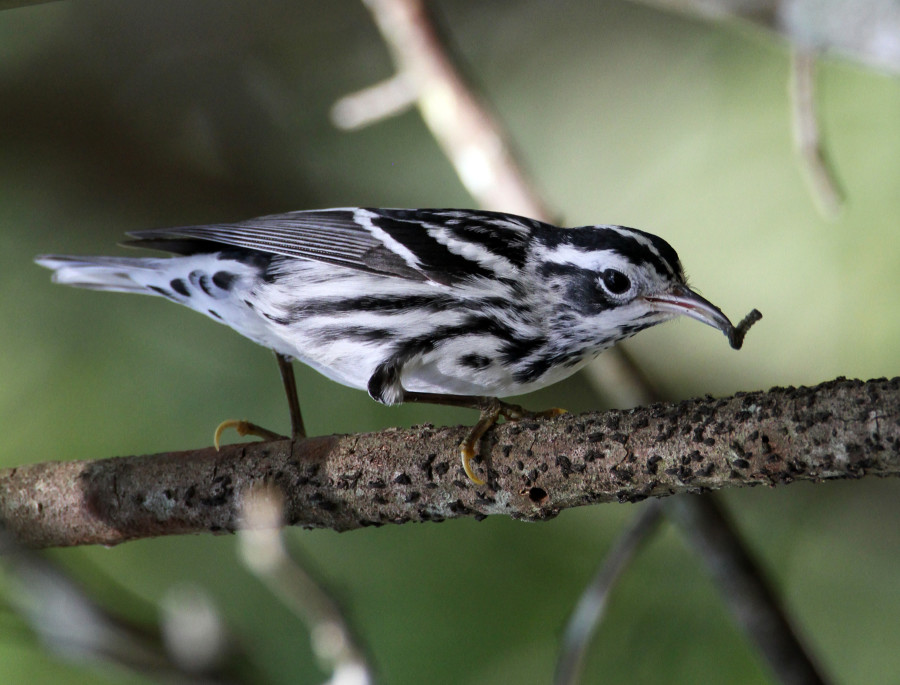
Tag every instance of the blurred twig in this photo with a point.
(807, 136)
(746, 590)
(262, 550)
(462, 124)
(74, 626)
(591, 607)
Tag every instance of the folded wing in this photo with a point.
(444, 246)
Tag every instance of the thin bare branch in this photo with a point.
(388, 98)
(840, 429)
(462, 125)
(264, 553)
(591, 607)
(807, 136)
(76, 627)
(745, 588)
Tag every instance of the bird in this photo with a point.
(454, 307)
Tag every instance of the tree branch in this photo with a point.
(460, 122)
(840, 429)
(591, 607)
(745, 589)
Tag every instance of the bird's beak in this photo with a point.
(679, 299)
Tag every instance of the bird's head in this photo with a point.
(609, 282)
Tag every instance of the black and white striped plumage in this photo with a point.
(386, 300)
(400, 302)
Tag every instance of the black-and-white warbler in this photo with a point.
(446, 306)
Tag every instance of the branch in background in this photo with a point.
(388, 98)
(591, 607)
(840, 429)
(189, 645)
(746, 590)
(807, 137)
(263, 552)
(463, 126)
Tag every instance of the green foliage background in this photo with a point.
(118, 116)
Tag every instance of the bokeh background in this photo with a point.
(118, 116)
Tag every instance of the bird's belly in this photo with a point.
(469, 374)
(467, 365)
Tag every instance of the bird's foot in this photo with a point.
(245, 428)
(491, 412)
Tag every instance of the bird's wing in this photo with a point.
(441, 245)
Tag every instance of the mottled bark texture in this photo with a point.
(840, 429)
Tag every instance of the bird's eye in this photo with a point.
(615, 281)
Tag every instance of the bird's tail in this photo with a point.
(116, 274)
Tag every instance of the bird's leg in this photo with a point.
(244, 428)
(491, 409)
(290, 389)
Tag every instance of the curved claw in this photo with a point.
(467, 453)
(489, 416)
(491, 409)
(244, 428)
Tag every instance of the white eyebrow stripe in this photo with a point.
(565, 253)
(644, 241)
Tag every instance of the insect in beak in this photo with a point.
(680, 299)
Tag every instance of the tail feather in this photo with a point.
(115, 274)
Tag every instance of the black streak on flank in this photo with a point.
(161, 291)
(387, 304)
(513, 349)
(280, 320)
(224, 279)
(180, 287)
(330, 334)
(475, 361)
